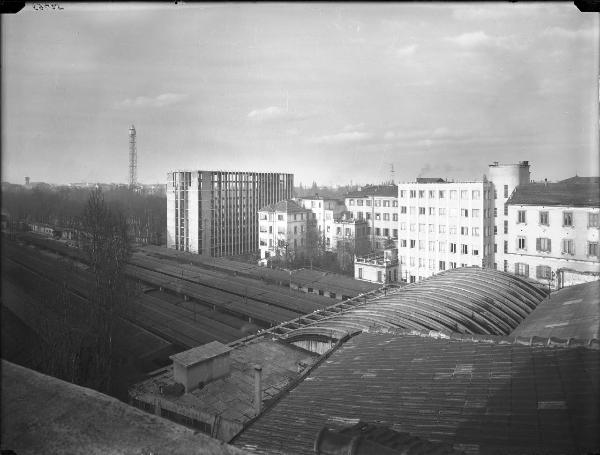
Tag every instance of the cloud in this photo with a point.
(480, 39)
(560, 32)
(406, 51)
(471, 39)
(345, 137)
(274, 113)
(162, 100)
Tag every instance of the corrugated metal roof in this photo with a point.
(561, 194)
(481, 397)
(200, 353)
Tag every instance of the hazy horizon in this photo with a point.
(333, 93)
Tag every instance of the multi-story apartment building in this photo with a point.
(505, 178)
(324, 210)
(553, 228)
(215, 213)
(347, 237)
(378, 206)
(282, 230)
(444, 225)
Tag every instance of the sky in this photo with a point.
(335, 93)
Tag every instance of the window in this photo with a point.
(421, 227)
(432, 228)
(394, 203)
(379, 276)
(442, 212)
(464, 249)
(452, 265)
(431, 194)
(495, 247)
(413, 243)
(403, 260)
(567, 218)
(505, 265)
(544, 272)
(464, 230)
(521, 269)
(377, 216)
(453, 230)
(593, 249)
(421, 194)
(593, 219)
(464, 194)
(421, 210)
(386, 232)
(412, 227)
(377, 231)
(505, 210)
(544, 218)
(442, 228)
(378, 203)
(432, 210)
(295, 229)
(475, 252)
(521, 216)
(367, 215)
(394, 217)
(495, 212)
(359, 202)
(441, 194)
(568, 246)
(413, 210)
(395, 233)
(543, 244)
(475, 213)
(412, 261)
(506, 226)
(360, 215)
(431, 264)
(431, 246)
(413, 194)
(506, 246)
(402, 209)
(338, 230)
(476, 194)
(495, 194)
(280, 217)
(452, 194)
(475, 232)
(453, 248)
(495, 230)
(464, 212)
(421, 262)
(453, 212)
(521, 243)
(368, 202)
(421, 244)
(442, 247)
(403, 226)
(403, 243)
(442, 265)
(386, 217)
(402, 193)
(505, 191)
(351, 202)
(386, 203)
(360, 275)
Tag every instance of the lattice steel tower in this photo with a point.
(132, 158)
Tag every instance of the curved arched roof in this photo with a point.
(467, 300)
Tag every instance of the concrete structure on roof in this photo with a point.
(378, 267)
(283, 230)
(214, 213)
(377, 205)
(444, 225)
(551, 233)
(224, 405)
(200, 365)
(42, 414)
(479, 394)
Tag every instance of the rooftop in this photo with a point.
(199, 354)
(579, 180)
(478, 394)
(287, 206)
(231, 397)
(571, 312)
(430, 180)
(42, 414)
(375, 190)
(565, 193)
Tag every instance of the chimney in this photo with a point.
(26, 180)
(545, 183)
(199, 366)
(257, 388)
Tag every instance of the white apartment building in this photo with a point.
(378, 267)
(282, 231)
(378, 205)
(444, 225)
(553, 228)
(505, 178)
(323, 210)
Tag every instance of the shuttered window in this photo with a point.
(543, 244)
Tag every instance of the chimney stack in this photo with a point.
(257, 388)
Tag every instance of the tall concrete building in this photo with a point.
(444, 225)
(505, 179)
(215, 213)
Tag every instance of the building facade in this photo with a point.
(378, 267)
(215, 213)
(505, 178)
(282, 231)
(378, 206)
(444, 225)
(553, 228)
(347, 237)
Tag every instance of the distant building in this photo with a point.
(215, 213)
(378, 206)
(552, 232)
(282, 231)
(444, 225)
(347, 237)
(324, 210)
(378, 267)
